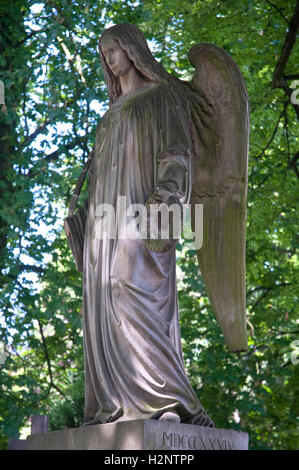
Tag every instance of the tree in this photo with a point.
(54, 90)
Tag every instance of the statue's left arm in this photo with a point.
(173, 175)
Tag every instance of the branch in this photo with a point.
(32, 34)
(287, 333)
(48, 359)
(287, 48)
(260, 101)
(22, 267)
(35, 133)
(286, 126)
(293, 163)
(254, 349)
(274, 132)
(290, 39)
(56, 154)
(74, 60)
(267, 290)
(279, 11)
(255, 290)
(32, 268)
(288, 91)
(291, 77)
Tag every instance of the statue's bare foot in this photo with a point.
(170, 416)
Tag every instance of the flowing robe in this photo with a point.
(133, 360)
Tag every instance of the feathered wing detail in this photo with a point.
(220, 132)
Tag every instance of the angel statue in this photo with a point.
(162, 140)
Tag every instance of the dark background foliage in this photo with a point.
(53, 79)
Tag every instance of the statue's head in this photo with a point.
(131, 49)
(116, 58)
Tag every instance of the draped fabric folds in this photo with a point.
(133, 361)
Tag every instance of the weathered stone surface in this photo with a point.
(161, 143)
(16, 444)
(39, 424)
(140, 435)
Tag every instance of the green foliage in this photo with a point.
(68, 413)
(53, 79)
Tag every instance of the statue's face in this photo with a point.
(116, 58)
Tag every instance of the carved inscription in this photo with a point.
(195, 442)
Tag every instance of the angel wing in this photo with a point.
(220, 131)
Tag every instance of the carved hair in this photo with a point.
(133, 42)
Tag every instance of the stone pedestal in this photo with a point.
(140, 435)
